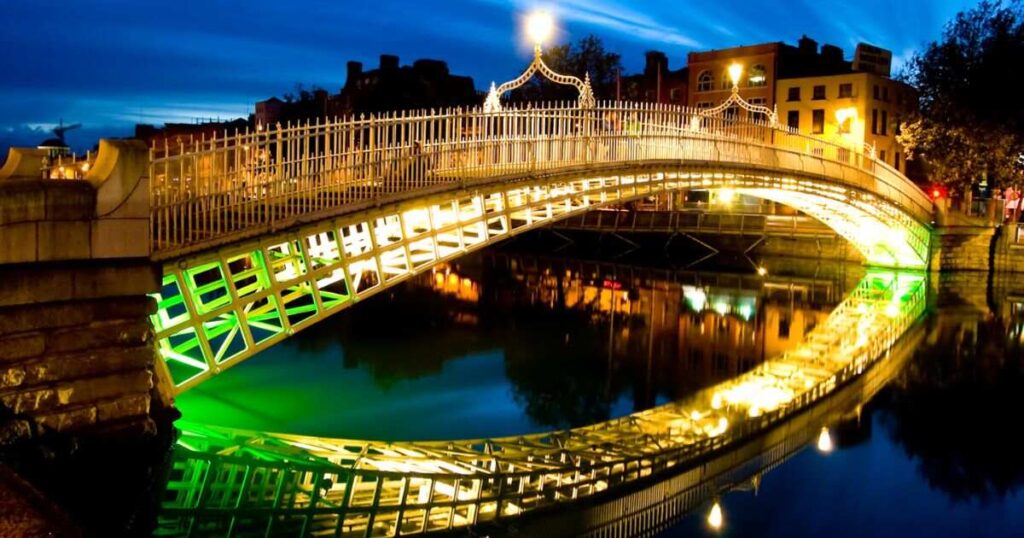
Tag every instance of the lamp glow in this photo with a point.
(726, 196)
(715, 518)
(539, 26)
(824, 441)
(847, 113)
(735, 72)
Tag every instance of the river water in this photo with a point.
(510, 341)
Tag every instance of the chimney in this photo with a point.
(656, 62)
(388, 62)
(354, 70)
(807, 45)
(831, 54)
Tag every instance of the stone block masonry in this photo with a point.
(81, 418)
(961, 248)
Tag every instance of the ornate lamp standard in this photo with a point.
(735, 72)
(539, 26)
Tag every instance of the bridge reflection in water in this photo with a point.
(227, 481)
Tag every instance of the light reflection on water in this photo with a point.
(494, 349)
(504, 345)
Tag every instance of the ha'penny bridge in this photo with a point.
(263, 233)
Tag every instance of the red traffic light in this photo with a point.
(937, 192)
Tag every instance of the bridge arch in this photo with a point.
(261, 234)
(220, 307)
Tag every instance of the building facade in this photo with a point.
(860, 108)
(656, 84)
(710, 83)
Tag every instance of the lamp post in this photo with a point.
(735, 72)
(539, 27)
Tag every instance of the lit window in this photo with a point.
(758, 76)
(705, 82)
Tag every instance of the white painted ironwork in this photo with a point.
(736, 100)
(210, 192)
(585, 99)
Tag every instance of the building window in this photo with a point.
(874, 120)
(794, 94)
(819, 93)
(758, 76)
(876, 92)
(881, 155)
(726, 80)
(784, 325)
(705, 82)
(885, 123)
(896, 160)
(818, 121)
(703, 105)
(885, 94)
(846, 90)
(793, 119)
(758, 116)
(673, 94)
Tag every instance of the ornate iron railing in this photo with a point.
(213, 191)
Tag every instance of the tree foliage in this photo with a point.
(971, 122)
(585, 57)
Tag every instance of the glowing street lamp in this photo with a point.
(735, 72)
(539, 26)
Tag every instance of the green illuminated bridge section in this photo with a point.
(230, 482)
(264, 233)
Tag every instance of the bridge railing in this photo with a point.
(243, 182)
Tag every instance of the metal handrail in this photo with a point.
(203, 188)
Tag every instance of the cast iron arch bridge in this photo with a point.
(264, 233)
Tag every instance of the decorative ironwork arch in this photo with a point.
(586, 94)
(735, 99)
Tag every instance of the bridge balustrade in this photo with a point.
(207, 190)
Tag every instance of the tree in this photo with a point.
(970, 127)
(586, 56)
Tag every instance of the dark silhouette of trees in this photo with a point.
(586, 56)
(954, 411)
(971, 122)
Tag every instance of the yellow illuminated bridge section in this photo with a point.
(227, 481)
(265, 233)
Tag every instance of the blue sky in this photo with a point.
(112, 63)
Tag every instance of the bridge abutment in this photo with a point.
(80, 412)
